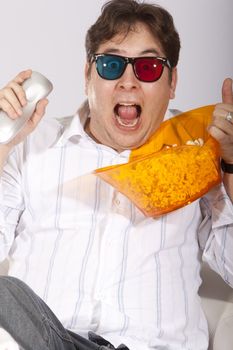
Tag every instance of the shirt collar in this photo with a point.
(73, 128)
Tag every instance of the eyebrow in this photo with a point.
(152, 51)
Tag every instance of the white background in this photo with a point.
(48, 36)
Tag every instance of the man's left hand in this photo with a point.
(221, 128)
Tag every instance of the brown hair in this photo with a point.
(120, 16)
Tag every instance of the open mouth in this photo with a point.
(127, 114)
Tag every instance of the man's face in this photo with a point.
(125, 112)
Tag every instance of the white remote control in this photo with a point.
(36, 87)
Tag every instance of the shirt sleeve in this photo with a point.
(216, 232)
(11, 203)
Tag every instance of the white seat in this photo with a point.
(217, 300)
(7, 342)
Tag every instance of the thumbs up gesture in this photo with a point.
(221, 127)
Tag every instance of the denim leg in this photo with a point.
(29, 320)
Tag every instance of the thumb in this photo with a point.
(227, 93)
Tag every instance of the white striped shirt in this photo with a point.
(96, 260)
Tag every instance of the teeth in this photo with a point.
(131, 124)
(127, 104)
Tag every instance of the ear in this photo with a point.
(87, 76)
(173, 83)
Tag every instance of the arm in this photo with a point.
(12, 100)
(216, 229)
(228, 183)
(215, 233)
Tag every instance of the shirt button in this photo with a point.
(117, 202)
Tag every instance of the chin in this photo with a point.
(121, 148)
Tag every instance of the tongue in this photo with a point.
(127, 112)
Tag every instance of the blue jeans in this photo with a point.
(34, 326)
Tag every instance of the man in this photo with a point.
(83, 247)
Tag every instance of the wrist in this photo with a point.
(226, 167)
(5, 150)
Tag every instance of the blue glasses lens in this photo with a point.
(110, 67)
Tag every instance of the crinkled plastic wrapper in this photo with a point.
(178, 164)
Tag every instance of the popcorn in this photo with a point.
(198, 142)
(167, 181)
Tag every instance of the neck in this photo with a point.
(87, 129)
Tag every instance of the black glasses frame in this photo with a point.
(131, 60)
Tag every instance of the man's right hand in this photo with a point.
(12, 100)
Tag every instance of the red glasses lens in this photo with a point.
(148, 69)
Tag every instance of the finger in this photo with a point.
(218, 133)
(22, 76)
(11, 98)
(19, 79)
(225, 142)
(15, 94)
(219, 118)
(221, 110)
(227, 93)
(7, 107)
(223, 125)
(39, 112)
(19, 92)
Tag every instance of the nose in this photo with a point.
(128, 80)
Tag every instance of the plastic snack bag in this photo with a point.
(178, 164)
